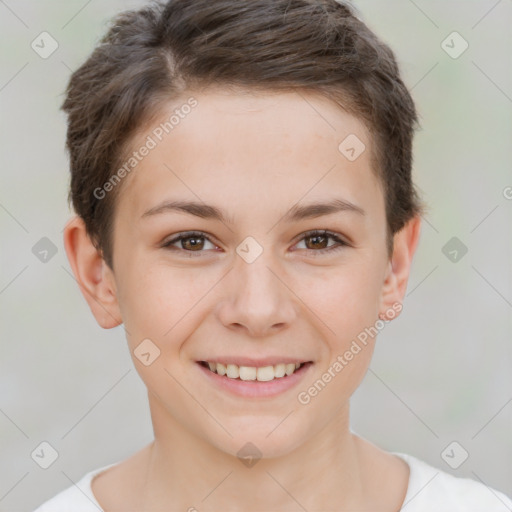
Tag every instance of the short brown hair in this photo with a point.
(151, 55)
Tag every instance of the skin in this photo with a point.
(255, 156)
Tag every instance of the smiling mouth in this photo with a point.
(262, 374)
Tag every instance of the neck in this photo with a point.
(323, 473)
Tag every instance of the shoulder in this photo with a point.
(78, 497)
(433, 489)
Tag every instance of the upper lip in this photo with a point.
(253, 362)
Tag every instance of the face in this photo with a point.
(264, 279)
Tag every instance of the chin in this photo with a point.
(263, 440)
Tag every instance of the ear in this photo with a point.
(93, 275)
(399, 267)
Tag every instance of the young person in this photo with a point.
(241, 175)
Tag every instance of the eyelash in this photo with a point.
(317, 232)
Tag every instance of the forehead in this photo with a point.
(239, 147)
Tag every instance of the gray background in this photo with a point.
(441, 371)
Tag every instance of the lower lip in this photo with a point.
(255, 388)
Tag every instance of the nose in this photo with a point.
(256, 299)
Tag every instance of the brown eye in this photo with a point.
(318, 242)
(189, 243)
(192, 243)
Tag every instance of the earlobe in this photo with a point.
(399, 267)
(92, 274)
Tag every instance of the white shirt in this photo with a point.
(429, 490)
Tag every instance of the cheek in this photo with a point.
(346, 298)
(347, 303)
(160, 308)
(161, 303)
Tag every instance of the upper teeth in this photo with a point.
(264, 373)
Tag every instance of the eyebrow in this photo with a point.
(296, 213)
